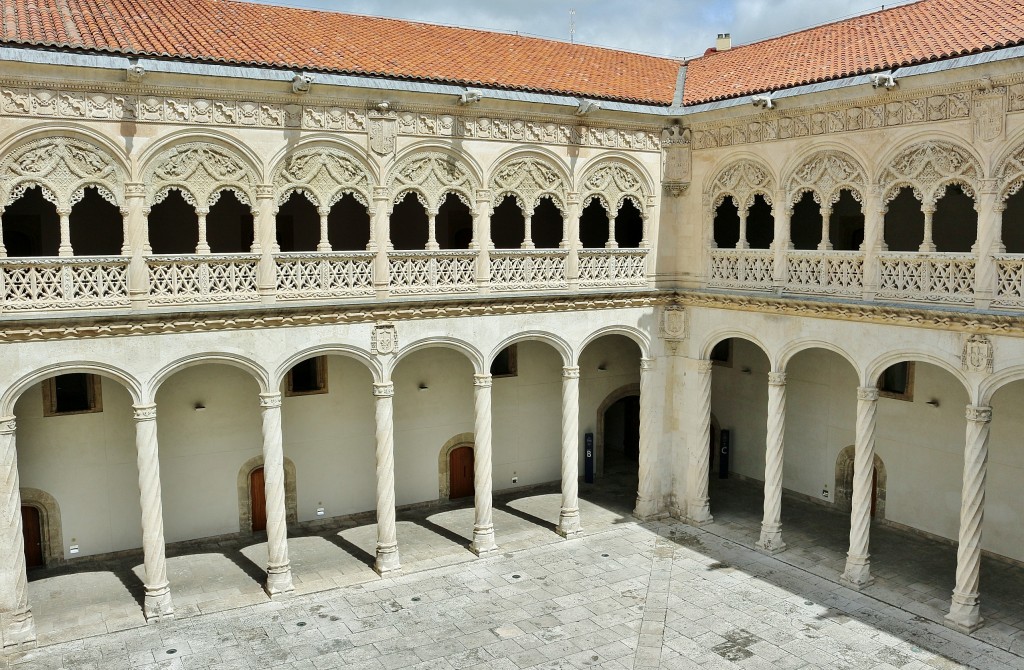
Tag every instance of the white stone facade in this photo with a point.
(194, 348)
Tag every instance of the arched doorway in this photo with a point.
(844, 483)
(252, 496)
(257, 500)
(617, 437)
(32, 530)
(460, 472)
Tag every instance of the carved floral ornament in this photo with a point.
(324, 175)
(1010, 172)
(63, 167)
(528, 180)
(431, 176)
(742, 180)
(826, 175)
(612, 184)
(927, 168)
(200, 171)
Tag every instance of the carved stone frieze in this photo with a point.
(200, 171)
(927, 167)
(826, 174)
(170, 107)
(528, 180)
(612, 183)
(431, 176)
(63, 167)
(324, 174)
(742, 180)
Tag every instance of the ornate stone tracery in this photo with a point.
(825, 175)
(741, 180)
(431, 176)
(528, 180)
(927, 168)
(612, 183)
(63, 167)
(324, 175)
(1010, 173)
(199, 170)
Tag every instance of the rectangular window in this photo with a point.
(76, 393)
(897, 382)
(307, 377)
(505, 363)
(721, 354)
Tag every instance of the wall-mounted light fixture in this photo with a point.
(933, 402)
(746, 370)
(602, 366)
(199, 406)
(423, 386)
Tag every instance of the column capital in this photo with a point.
(482, 381)
(704, 366)
(867, 393)
(270, 400)
(145, 412)
(979, 413)
(264, 191)
(646, 364)
(571, 372)
(135, 189)
(383, 389)
(7, 425)
(776, 379)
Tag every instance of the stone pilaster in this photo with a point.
(65, 233)
(279, 571)
(569, 516)
(874, 239)
(965, 609)
(387, 534)
(483, 525)
(647, 494)
(771, 526)
(264, 242)
(858, 566)
(698, 394)
(136, 218)
(158, 604)
(16, 624)
(990, 222)
(324, 245)
(382, 224)
(571, 240)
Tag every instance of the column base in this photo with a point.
(771, 541)
(698, 513)
(964, 613)
(857, 575)
(17, 629)
(483, 541)
(646, 509)
(387, 560)
(569, 523)
(157, 604)
(279, 581)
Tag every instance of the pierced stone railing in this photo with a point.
(539, 269)
(63, 283)
(825, 272)
(443, 271)
(927, 277)
(308, 276)
(751, 269)
(613, 267)
(216, 278)
(1010, 280)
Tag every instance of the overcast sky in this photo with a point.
(662, 27)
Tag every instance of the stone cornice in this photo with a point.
(114, 101)
(865, 112)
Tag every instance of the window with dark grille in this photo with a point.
(308, 377)
(74, 393)
(897, 382)
(505, 363)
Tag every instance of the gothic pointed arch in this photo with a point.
(324, 174)
(742, 180)
(528, 179)
(200, 171)
(825, 174)
(612, 182)
(431, 175)
(927, 168)
(62, 167)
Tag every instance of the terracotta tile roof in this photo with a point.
(247, 33)
(917, 33)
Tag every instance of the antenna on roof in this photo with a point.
(572, 26)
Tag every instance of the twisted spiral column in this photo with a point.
(387, 534)
(569, 516)
(16, 624)
(771, 526)
(158, 604)
(858, 566)
(647, 489)
(965, 609)
(279, 571)
(698, 507)
(483, 525)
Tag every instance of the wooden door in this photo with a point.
(874, 490)
(258, 498)
(32, 529)
(460, 473)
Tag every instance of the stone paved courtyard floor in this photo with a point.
(624, 595)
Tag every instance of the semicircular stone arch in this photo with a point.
(613, 182)
(528, 179)
(52, 525)
(63, 167)
(825, 174)
(325, 174)
(200, 170)
(928, 167)
(742, 180)
(444, 477)
(291, 505)
(431, 175)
